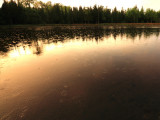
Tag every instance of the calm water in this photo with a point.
(86, 73)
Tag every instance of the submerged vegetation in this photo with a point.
(37, 12)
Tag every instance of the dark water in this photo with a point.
(86, 73)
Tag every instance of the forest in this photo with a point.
(37, 12)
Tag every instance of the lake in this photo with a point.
(80, 73)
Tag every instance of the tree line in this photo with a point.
(37, 12)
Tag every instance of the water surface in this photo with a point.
(87, 73)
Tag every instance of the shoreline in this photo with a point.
(104, 25)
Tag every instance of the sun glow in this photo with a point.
(21, 51)
(154, 4)
(106, 3)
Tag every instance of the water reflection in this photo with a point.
(36, 38)
(80, 74)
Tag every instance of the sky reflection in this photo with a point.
(77, 70)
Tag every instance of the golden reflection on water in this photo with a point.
(20, 51)
(27, 72)
(24, 51)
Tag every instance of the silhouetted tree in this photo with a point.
(142, 18)
(115, 15)
(132, 15)
(151, 15)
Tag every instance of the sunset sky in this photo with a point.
(154, 4)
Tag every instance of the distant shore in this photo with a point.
(105, 25)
